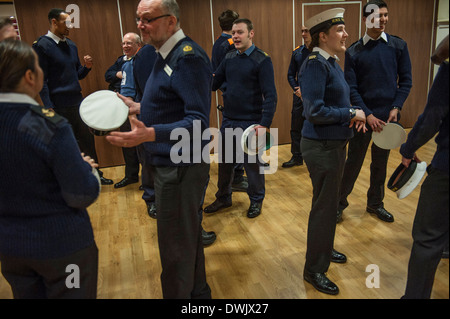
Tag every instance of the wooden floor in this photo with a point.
(260, 258)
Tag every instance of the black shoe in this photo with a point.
(239, 187)
(445, 254)
(293, 162)
(208, 238)
(151, 210)
(337, 257)
(321, 282)
(254, 210)
(339, 216)
(381, 213)
(124, 182)
(106, 181)
(216, 206)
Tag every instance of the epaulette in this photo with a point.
(48, 114)
(297, 48)
(312, 56)
(230, 41)
(188, 50)
(266, 54)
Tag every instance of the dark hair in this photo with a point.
(227, 18)
(4, 21)
(16, 57)
(246, 21)
(55, 14)
(379, 3)
(315, 39)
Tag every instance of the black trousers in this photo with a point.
(357, 149)
(130, 156)
(297, 121)
(84, 137)
(179, 192)
(50, 278)
(325, 161)
(430, 234)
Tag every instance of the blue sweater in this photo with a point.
(221, 47)
(326, 99)
(143, 63)
(175, 99)
(298, 57)
(379, 75)
(62, 72)
(434, 119)
(251, 94)
(45, 185)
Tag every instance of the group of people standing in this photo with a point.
(332, 109)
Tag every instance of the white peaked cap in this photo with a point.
(325, 19)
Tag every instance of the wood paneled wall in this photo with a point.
(275, 23)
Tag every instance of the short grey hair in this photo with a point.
(172, 8)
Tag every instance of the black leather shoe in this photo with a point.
(321, 282)
(381, 213)
(337, 257)
(124, 182)
(106, 181)
(208, 238)
(339, 216)
(293, 162)
(216, 206)
(254, 210)
(151, 210)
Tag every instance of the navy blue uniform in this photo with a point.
(298, 57)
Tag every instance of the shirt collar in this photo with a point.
(170, 43)
(17, 98)
(54, 37)
(248, 51)
(367, 38)
(324, 53)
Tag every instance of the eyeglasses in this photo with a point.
(148, 21)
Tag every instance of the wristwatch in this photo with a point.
(352, 113)
(396, 108)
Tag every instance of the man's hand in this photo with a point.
(298, 92)
(260, 130)
(138, 135)
(135, 108)
(375, 124)
(88, 61)
(407, 161)
(393, 115)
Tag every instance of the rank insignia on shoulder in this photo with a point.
(297, 48)
(48, 113)
(188, 50)
(312, 57)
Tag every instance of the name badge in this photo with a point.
(168, 70)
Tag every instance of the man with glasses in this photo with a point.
(58, 58)
(176, 94)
